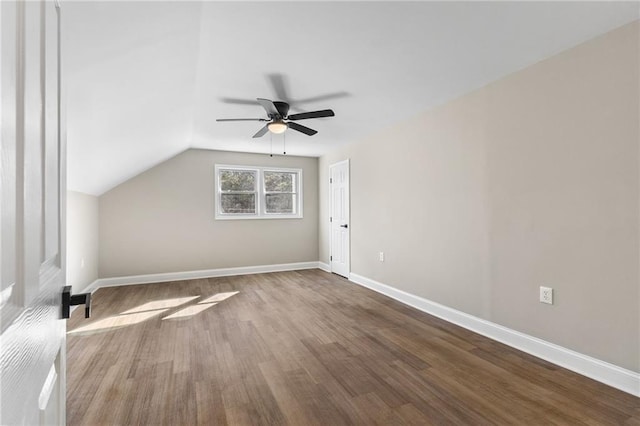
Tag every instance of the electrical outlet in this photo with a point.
(546, 295)
(381, 256)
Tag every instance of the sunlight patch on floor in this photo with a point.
(203, 305)
(154, 308)
(189, 311)
(160, 304)
(117, 321)
(219, 297)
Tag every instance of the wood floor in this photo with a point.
(303, 348)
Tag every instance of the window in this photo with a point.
(238, 191)
(244, 192)
(280, 192)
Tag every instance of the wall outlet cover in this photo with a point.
(546, 295)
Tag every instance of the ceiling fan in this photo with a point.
(279, 120)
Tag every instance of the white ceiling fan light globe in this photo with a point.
(277, 127)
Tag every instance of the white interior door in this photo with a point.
(340, 246)
(32, 339)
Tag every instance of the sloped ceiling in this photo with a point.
(146, 80)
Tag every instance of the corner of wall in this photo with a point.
(82, 240)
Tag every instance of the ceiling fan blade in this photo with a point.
(261, 132)
(302, 129)
(241, 119)
(279, 86)
(319, 98)
(312, 114)
(282, 107)
(239, 101)
(268, 105)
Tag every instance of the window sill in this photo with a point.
(257, 217)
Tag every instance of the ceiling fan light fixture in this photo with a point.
(277, 126)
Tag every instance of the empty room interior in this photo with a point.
(352, 212)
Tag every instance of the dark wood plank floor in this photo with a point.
(304, 348)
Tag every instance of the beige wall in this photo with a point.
(532, 180)
(82, 240)
(163, 220)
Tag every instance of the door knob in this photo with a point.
(77, 299)
(344, 226)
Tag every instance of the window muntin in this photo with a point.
(244, 192)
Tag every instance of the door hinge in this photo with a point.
(330, 257)
(330, 180)
(330, 219)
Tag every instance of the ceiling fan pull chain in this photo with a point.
(284, 143)
(271, 142)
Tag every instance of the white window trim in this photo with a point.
(260, 192)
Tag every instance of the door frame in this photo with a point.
(331, 166)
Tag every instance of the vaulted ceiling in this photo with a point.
(146, 80)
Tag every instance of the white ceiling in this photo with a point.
(146, 80)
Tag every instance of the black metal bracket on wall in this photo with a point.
(77, 299)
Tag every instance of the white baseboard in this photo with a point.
(612, 375)
(91, 288)
(190, 275)
(324, 266)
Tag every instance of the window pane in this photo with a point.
(280, 203)
(280, 181)
(237, 180)
(238, 203)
